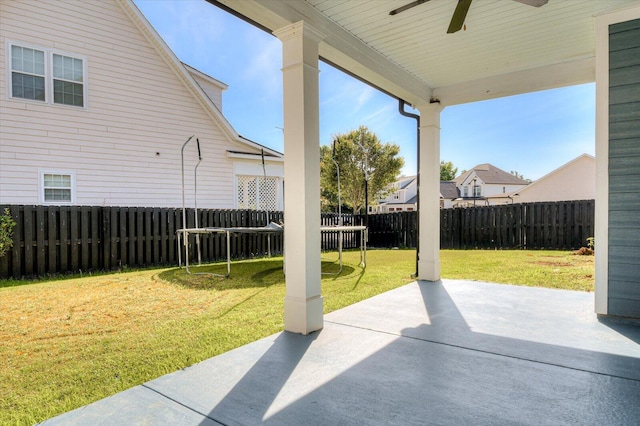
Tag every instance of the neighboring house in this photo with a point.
(449, 192)
(485, 184)
(575, 180)
(403, 195)
(95, 109)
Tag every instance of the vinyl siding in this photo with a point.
(624, 169)
(125, 146)
(573, 181)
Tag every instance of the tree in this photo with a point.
(380, 162)
(447, 171)
(519, 176)
(6, 232)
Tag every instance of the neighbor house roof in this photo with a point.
(406, 181)
(490, 174)
(449, 190)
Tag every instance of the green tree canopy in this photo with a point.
(381, 161)
(447, 171)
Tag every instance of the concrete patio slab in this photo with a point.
(452, 352)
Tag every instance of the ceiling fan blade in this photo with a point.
(459, 15)
(407, 6)
(534, 3)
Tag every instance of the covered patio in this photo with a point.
(497, 48)
(446, 352)
(435, 351)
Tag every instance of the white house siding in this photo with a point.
(124, 148)
(210, 86)
(574, 181)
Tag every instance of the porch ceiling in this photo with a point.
(507, 47)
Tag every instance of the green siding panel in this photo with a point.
(624, 40)
(625, 255)
(623, 182)
(625, 76)
(624, 169)
(624, 307)
(624, 166)
(625, 148)
(624, 112)
(624, 26)
(624, 200)
(623, 219)
(624, 58)
(623, 94)
(631, 237)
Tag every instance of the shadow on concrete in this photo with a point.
(440, 372)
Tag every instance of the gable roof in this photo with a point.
(185, 75)
(449, 190)
(406, 181)
(490, 174)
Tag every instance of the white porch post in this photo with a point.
(303, 302)
(429, 214)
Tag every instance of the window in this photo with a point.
(57, 187)
(476, 190)
(47, 76)
(466, 191)
(257, 193)
(27, 73)
(67, 80)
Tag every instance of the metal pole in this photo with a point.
(195, 200)
(333, 158)
(366, 180)
(184, 209)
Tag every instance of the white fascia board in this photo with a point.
(339, 47)
(206, 77)
(525, 81)
(243, 156)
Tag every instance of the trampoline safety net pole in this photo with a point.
(184, 209)
(195, 200)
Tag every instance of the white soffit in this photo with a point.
(506, 48)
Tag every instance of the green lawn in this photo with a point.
(66, 343)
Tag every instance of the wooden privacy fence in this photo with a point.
(61, 239)
(555, 225)
(562, 225)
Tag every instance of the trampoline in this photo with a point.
(270, 229)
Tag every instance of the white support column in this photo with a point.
(429, 214)
(303, 305)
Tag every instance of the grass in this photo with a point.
(66, 343)
(552, 269)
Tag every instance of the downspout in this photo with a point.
(401, 104)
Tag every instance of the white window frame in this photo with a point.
(48, 75)
(41, 187)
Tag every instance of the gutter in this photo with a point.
(401, 105)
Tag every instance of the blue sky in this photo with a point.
(532, 133)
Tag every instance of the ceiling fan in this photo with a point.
(459, 15)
